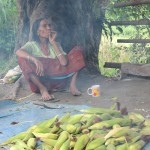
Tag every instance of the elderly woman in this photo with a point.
(44, 63)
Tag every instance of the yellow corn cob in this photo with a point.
(95, 136)
(78, 128)
(100, 111)
(110, 141)
(64, 118)
(116, 126)
(90, 121)
(55, 129)
(110, 123)
(105, 116)
(147, 123)
(122, 147)
(136, 118)
(18, 136)
(31, 143)
(117, 132)
(100, 125)
(65, 145)
(68, 127)
(50, 142)
(46, 147)
(137, 146)
(28, 136)
(95, 143)
(72, 144)
(125, 132)
(16, 147)
(59, 131)
(120, 140)
(102, 147)
(46, 135)
(135, 139)
(110, 147)
(75, 119)
(42, 130)
(62, 138)
(93, 132)
(21, 143)
(145, 130)
(32, 128)
(48, 123)
(81, 142)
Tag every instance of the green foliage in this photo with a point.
(8, 25)
(110, 51)
(9, 64)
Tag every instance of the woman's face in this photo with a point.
(44, 29)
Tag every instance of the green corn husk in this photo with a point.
(18, 136)
(100, 111)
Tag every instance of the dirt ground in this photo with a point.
(131, 92)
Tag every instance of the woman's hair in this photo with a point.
(35, 27)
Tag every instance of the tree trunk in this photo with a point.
(78, 23)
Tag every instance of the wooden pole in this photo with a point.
(139, 22)
(131, 3)
(133, 41)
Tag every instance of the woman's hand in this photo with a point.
(39, 67)
(52, 36)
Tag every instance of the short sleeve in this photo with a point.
(28, 47)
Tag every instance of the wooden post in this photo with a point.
(131, 3)
(138, 22)
(133, 41)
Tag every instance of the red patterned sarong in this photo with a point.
(52, 67)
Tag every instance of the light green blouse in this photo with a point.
(32, 48)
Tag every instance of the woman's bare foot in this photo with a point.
(46, 96)
(74, 91)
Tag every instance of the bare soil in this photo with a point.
(131, 92)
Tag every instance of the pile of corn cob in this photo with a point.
(94, 129)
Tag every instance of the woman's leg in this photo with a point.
(43, 90)
(73, 88)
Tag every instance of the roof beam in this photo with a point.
(131, 3)
(133, 41)
(124, 23)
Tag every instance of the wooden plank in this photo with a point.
(132, 69)
(133, 41)
(112, 65)
(138, 22)
(131, 3)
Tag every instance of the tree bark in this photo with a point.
(131, 3)
(77, 23)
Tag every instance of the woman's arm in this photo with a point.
(29, 57)
(24, 54)
(61, 57)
